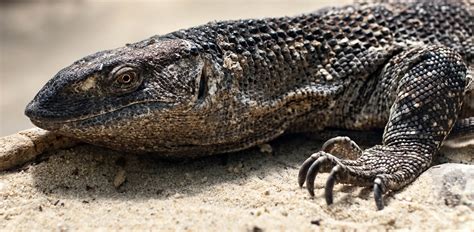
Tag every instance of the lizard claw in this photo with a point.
(328, 190)
(311, 175)
(312, 172)
(378, 190)
(304, 170)
(312, 166)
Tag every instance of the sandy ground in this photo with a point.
(75, 189)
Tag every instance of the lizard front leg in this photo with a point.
(429, 93)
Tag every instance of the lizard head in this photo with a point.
(129, 95)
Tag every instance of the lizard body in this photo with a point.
(227, 86)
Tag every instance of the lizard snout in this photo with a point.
(37, 114)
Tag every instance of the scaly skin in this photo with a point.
(227, 86)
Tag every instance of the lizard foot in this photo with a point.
(383, 167)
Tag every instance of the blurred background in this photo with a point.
(38, 38)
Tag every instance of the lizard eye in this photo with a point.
(125, 79)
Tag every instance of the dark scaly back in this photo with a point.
(449, 23)
(325, 37)
(332, 55)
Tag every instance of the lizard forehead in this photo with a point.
(157, 51)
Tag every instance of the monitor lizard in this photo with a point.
(230, 85)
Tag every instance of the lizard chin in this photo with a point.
(51, 126)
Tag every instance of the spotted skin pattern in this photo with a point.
(230, 85)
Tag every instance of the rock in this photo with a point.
(25, 146)
(266, 148)
(453, 183)
(120, 177)
(449, 184)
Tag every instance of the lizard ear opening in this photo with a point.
(202, 85)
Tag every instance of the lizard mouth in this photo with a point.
(43, 118)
